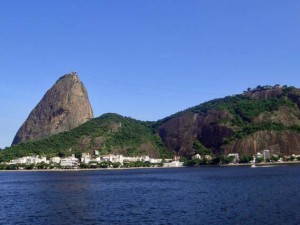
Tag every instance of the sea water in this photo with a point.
(203, 195)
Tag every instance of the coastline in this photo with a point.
(89, 169)
(262, 164)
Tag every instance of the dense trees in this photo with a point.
(115, 131)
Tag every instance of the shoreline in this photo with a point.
(89, 169)
(262, 164)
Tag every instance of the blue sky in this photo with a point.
(145, 59)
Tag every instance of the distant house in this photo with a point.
(173, 164)
(55, 160)
(86, 158)
(155, 160)
(69, 162)
(113, 158)
(29, 160)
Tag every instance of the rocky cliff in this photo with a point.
(64, 107)
(262, 118)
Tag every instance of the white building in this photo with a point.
(173, 164)
(145, 158)
(30, 160)
(86, 158)
(155, 160)
(69, 162)
(55, 160)
(18, 161)
(131, 159)
(113, 158)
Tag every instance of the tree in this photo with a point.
(116, 164)
(41, 166)
(259, 160)
(12, 167)
(292, 158)
(246, 159)
(227, 159)
(78, 154)
(61, 154)
(3, 166)
(29, 167)
(201, 149)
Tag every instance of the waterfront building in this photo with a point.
(131, 159)
(69, 162)
(155, 160)
(113, 158)
(55, 160)
(29, 160)
(173, 164)
(145, 158)
(86, 158)
(18, 161)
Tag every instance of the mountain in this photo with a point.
(263, 118)
(64, 107)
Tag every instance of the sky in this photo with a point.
(145, 59)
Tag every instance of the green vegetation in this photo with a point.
(246, 159)
(242, 107)
(116, 132)
(201, 149)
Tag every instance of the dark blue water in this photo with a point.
(239, 195)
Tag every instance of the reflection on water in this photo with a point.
(152, 196)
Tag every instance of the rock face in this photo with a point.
(246, 124)
(64, 107)
(284, 142)
(180, 133)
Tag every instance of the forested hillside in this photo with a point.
(109, 133)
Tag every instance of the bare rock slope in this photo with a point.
(64, 106)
